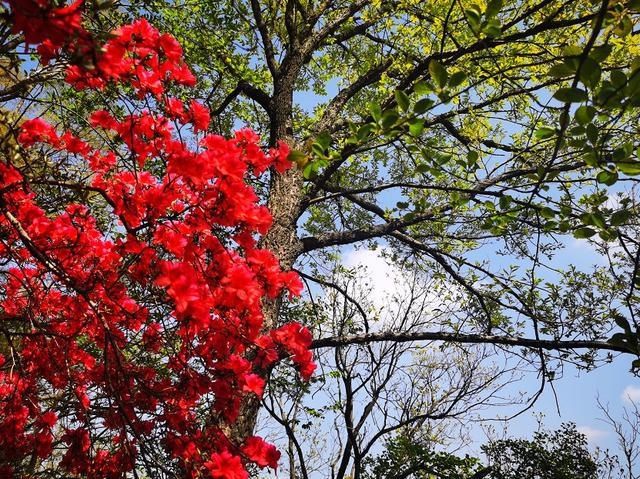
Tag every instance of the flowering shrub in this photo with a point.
(153, 330)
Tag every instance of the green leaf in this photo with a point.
(577, 131)
(457, 79)
(633, 85)
(473, 15)
(443, 158)
(310, 170)
(629, 168)
(541, 173)
(590, 72)
(620, 154)
(444, 97)
(323, 140)
(561, 70)
(544, 132)
(438, 73)
(547, 213)
(493, 28)
(364, 131)
(422, 88)
(584, 114)
(624, 27)
(402, 205)
(606, 177)
(296, 156)
(422, 168)
(389, 118)
(493, 8)
(607, 235)
(594, 219)
(317, 150)
(423, 105)
(572, 51)
(402, 99)
(618, 79)
(416, 126)
(591, 158)
(620, 217)
(601, 52)
(622, 322)
(375, 110)
(592, 133)
(607, 95)
(583, 233)
(570, 95)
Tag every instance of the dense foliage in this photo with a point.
(561, 454)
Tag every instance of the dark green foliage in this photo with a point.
(405, 458)
(561, 454)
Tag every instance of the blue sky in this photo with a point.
(576, 393)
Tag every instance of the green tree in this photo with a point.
(406, 459)
(476, 138)
(561, 454)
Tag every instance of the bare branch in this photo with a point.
(513, 341)
(267, 42)
(252, 92)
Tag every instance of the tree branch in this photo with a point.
(462, 338)
(315, 39)
(254, 93)
(311, 243)
(333, 109)
(267, 43)
(23, 85)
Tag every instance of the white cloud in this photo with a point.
(593, 434)
(394, 294)
(381, 279)
(631, 394)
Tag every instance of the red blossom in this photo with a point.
(37, 130)
(41, 23)
(225, 465)
(175, 109)
(253, 383)
(199, 116)
(281, 157)
(181, 284)
(261, 452)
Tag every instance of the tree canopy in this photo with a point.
(454, 132)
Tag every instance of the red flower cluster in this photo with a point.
(150, 327)
(51, 29)
(139, 55)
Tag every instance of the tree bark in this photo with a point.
(284, 202)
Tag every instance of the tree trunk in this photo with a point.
(285, 196)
